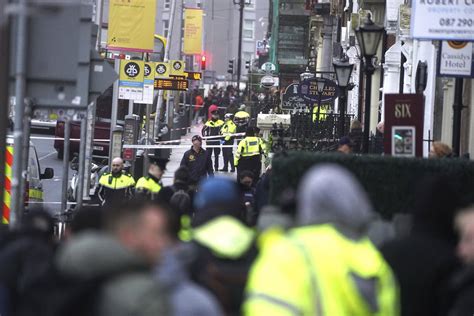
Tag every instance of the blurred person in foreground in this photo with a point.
(462, 283)
(425, 260)
(328, 266)
(186, 297)
(223, 244)
(119, 261)
(26, 265)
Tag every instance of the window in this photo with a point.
(167, 4)
(165, 27)
(199, 4)
(249, 29)
(250, 4)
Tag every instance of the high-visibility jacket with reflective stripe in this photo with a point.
(228, 129)
(316, 271)
(148, 184)
(115, 188)
(248, 147)
(322, 113)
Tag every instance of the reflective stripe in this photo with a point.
(122, 182)
(276, 301)
(7, 191)
(35, 194)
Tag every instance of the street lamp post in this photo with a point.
(242, 4)
(343, 70)
(368, 37)
(320, 84)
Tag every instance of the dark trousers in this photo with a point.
(217, 152)
(252, 163)
(228, 155)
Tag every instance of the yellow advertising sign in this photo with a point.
(131, 25)
(192, 31)
(177, 68)
(162, 70)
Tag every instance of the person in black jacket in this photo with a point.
(198, 161)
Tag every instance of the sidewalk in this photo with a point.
(177, 155)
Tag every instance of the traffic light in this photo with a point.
(230, 69)
(203, 62)
(247, 64)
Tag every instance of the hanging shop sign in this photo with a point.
(308, 90)
(291, 98)
(456, 59)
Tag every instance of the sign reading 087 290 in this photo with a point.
(131, 80)
(443, 19)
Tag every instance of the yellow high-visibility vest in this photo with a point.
(148, 184)
(248, 147)
(317, 271)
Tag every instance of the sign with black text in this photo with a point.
(403, 127)
(456, 59)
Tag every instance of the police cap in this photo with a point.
(158, 161)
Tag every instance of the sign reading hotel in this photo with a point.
(456, 59)
(443, 19)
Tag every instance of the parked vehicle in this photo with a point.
(34, 186)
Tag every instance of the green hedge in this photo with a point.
(391, 182)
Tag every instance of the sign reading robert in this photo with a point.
(308, 90)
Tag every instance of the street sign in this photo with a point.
(148, 83)
(291, 99)
(308, 90)
(191, 75)
(131, 79)
(268, 67)
(442, 20)
(209, 77)
(162, 70)
(171, 84)
(177, 68)
(456, 59)
(403, 129)
(267, 81)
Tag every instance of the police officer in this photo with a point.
(330, 266)
(227, 130)
(151, 185)
(213, 128)
(117, 185)
(249, 154)
(242, 119)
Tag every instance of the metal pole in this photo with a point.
(20, 88)
(89, 148)
(4, 72)
(165, 58)
(82, 158)
(369, 70)
(113, 118)
(100, 10)
(239, 53)
(457, 111)
(67, 133)
(26, 149)
(342, 112)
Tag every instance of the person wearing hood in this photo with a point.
(327, 266)
(224, 245)
(121, 259)
(151, 185)
(212, 128)
(425, 259)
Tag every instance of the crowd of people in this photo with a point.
(220, 248)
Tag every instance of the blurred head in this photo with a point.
(250, 132)
(464, 223)
(246, 178)
(381, 127)
(181, 175)
(197, 141)
(440, 150)
(356, 125)
(229, 116)
(86, 218)
(215, 115)
(217, 196)
(157, 167)
(37, 222)
(330, 194)
(143, 227)
(117, 165)
(345, 145)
